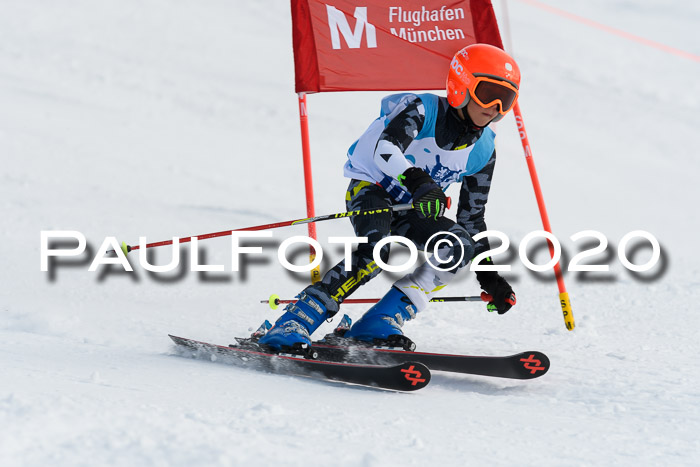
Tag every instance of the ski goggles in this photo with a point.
(488, 91)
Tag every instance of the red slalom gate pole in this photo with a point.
(308, 180)
(563, 294)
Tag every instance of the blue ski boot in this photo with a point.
(382, 323)
(292, 331)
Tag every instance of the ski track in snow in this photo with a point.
(158, 118)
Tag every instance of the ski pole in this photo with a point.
(225, 233)
(275, 301)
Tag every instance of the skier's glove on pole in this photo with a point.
(501, 293)
(428, 198)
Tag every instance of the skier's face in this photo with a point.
(479, 115)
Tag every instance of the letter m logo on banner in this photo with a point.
(338, 24)
(384, 45)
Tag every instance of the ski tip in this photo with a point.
(414, 376)
(175, 339)
(533, 364)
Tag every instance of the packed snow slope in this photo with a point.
(152, 118)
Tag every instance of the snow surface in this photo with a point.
(128, 118)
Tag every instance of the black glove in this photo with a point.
(501, 296)
(428, 198)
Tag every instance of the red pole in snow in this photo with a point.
(563, 295)
(308, 180)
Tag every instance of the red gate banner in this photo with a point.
(380, 45)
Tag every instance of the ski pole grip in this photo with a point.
(486, 297)
(449, 202)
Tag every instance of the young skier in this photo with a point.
(417, 147)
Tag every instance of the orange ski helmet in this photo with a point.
(486, 74)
